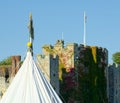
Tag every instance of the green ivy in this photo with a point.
(92, 81)
(7, 61)
(116, 57)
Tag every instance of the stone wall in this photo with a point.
(7, 73)
(64, 67)
(67, 55)
(15, 64)
(5, 70)
(49, 66)
(92, 82)
(113, 74)
(3, 86)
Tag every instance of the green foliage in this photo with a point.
(7, 61)
(116, 57)
(92, 79)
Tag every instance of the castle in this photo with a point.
(76, 72)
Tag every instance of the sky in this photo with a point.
(52, 17)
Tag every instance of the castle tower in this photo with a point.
(15, 65)
(92, 63)
(57, 58)
(113, 76)
(49, 65)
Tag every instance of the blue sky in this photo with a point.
(52, 17)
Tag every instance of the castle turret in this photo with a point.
(15, 65)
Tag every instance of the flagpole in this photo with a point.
(31, 35)
(84, 37)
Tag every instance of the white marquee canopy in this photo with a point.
(30, 86)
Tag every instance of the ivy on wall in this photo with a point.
(89, 84)
(68, 85)
(92, 79)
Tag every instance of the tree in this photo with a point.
(7, 61)
(116, 57)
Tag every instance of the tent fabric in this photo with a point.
(30, 86)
